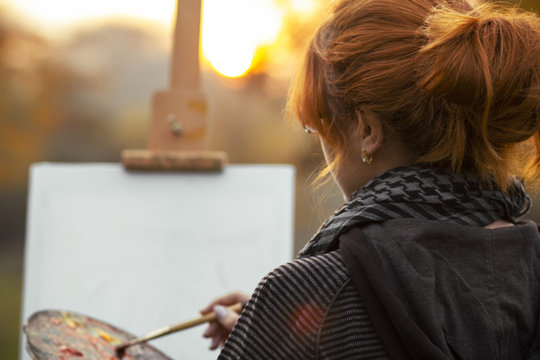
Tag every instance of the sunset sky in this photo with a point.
(232, 30)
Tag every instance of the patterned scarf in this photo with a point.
(420, 192)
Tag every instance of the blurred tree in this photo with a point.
(36, 96)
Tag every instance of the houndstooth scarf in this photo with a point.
(425, 193)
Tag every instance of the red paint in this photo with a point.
(56, 321)
(67, 352)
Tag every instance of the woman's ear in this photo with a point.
(370, 131)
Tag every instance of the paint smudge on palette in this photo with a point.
(67, 351)
(64, 335)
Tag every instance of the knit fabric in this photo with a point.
(306, 309)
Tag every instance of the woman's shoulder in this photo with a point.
(286, 312)
(305, 309)
(325, 272)
(303, 288)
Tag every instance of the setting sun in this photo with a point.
(234, 30)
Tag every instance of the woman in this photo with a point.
(427, 112)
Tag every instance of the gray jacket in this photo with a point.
(435, 290)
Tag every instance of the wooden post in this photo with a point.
(185, 64)
(179, 114)
(178, 131)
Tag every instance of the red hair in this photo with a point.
(458, 85)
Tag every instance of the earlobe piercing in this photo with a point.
(366, 158)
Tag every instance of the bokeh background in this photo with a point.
(76, 79)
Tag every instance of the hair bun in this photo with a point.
(479, 57)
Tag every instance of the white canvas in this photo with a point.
(144, 250)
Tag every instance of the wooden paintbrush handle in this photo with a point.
(178, 327)
(237, 308)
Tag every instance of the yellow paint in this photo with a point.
(68, 320)
(108, 337)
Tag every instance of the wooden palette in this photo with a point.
(64, 335)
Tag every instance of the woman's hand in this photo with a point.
(220, 330)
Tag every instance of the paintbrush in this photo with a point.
(121, 349)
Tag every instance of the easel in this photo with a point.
(178, 131)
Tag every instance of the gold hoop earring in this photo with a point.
(366, 158)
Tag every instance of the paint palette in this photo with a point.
(64, 335)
